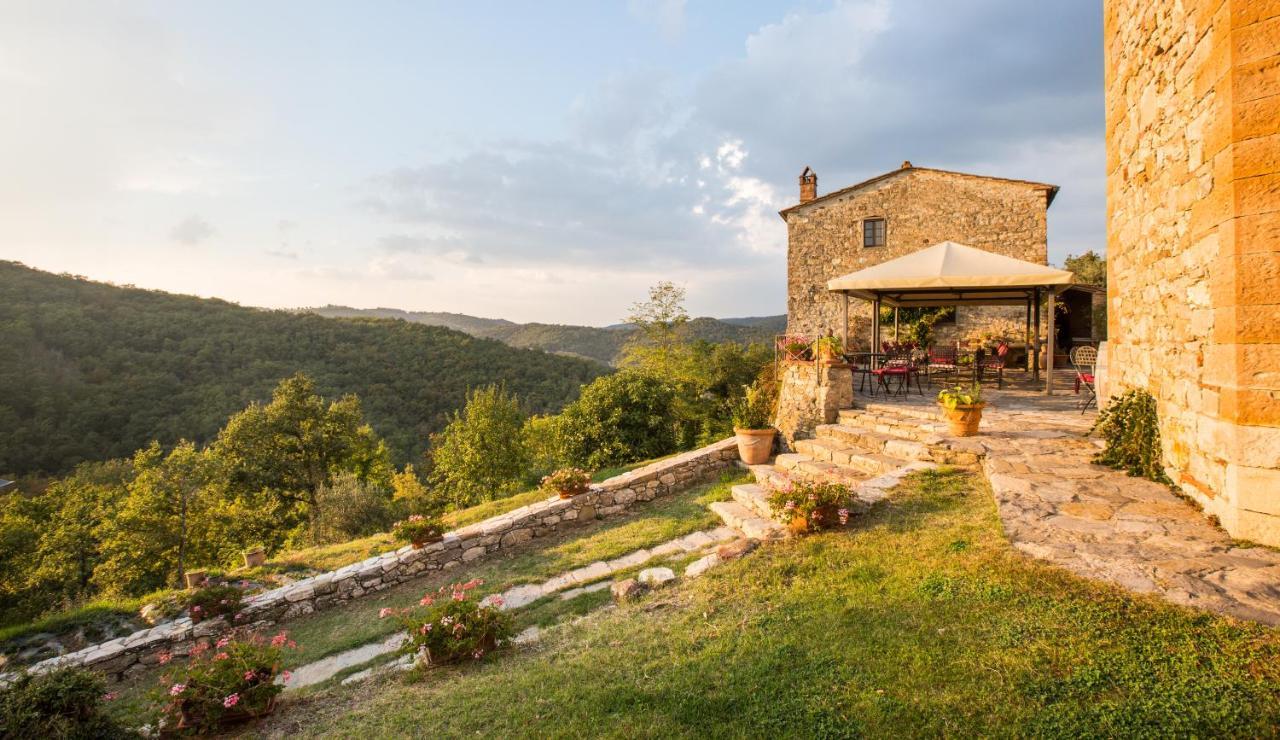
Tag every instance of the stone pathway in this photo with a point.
(1056, 505)
(568, 585)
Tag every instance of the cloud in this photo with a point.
(667, 15)
(191, 231)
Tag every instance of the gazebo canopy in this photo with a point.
(947, 274)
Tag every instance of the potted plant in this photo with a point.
(448, 625)
(212, 602)
(255, 557)
(827, 349)
(230, 681)
(418, 530)
(752, 414)
(567, 482)
(962, 408)
(810, 506)
(795, 348)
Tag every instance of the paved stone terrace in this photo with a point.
(1056, 505)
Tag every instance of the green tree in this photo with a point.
(157, 531)
(1090, 268)
(658, 345)
(409, 494)
(298, 442)
(619, 418)
(481, 454)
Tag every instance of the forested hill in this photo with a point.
(597, 343)
(92, 371)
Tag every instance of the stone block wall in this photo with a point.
(809, 394)
(922, 207)
(1193, 219)
(133, 653)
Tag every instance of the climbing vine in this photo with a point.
(1132, 431)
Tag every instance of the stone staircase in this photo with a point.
(870, 449)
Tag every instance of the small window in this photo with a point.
(873, 232)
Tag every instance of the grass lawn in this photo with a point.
(919, 620)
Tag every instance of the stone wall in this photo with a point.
(1193, 220)
(133, 653)
(922, 207)
(809, 394)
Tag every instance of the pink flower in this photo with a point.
(110, 696)
(425, 628)
(478, 654)
(446, 620)
(177, 688)
(279, 639)
(426, 601)
(498, 601)
(385, 612)
(231, 701)
(459, 596)
(221, 656)
(238, 617)
(197, 608)
(223, 642)
(165, 658)
(291, 644)
(790, 505)
(286, 676)
(249, 675)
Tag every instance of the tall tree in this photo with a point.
(659, 343)
(481, 453)
(298, 442)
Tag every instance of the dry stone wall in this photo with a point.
(127, 655)
(809, 394)
(1193, 201)
(922, 207)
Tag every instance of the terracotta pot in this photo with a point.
(755, 445)
(419, 544)
(255, 558)
(189, 718)
(570, 493)
(830, 515)
(963, 420)
(827, 356)
(196, 579)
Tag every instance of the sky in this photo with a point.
(539, 161)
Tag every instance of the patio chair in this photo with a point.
(1083, 360)
(940, 361)
(901, 367)
(996, 362)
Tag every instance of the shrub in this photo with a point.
(62, 703)
(449, 626)
(619, 419)
(418, 529)
(232, 679)
(958, 395)
(350, 508)
(1131, 428)
(567, 480)
(212, 602)
(544, 439)
(754, 409)
(820, 504)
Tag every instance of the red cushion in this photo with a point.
(891, 371)
(1088, 377)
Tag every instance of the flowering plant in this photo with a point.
(212, 602)
(814, 504)
(795, 347)
(418, 529)
(567, 480)
(448, 626)
(229, 680)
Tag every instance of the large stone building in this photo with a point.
(1193, 213)
(896, 213)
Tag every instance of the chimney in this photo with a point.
(906, 164)
(808, 185)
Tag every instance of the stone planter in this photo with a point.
(255, 558)
(196, 578)
(755, 445)
(421, 543)
(963, 420)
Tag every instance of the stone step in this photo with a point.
(906, 437)
(754, 497)
(832, 451)
(902, 427)
(766, 474)
(884, 444)
(747, 521)
(926, 412)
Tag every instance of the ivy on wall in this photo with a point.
(1132, 432)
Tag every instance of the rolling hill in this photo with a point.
(602, 344)
(92, 371)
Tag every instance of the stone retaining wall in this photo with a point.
(133, 653)
(809, 394)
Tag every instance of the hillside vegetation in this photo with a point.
(602, 344)
(91, 371)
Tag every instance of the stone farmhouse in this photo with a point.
(1193, 216)
(896, 213)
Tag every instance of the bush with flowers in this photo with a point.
(449, 625)
(418, 530)
(230, 680)
(212, 602)
(810, 505)
(567, 482)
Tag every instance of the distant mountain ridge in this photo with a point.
(602, 344)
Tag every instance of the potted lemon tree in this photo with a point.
(752, 414)
(962, 408)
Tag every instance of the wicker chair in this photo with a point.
(1083, 360)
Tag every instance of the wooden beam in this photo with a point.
(1026, 334)
(895, 324)
(844, 334)
(1049, 341)
(1035, 336)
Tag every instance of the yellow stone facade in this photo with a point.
(1193, 218)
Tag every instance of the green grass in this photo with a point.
(919, 620)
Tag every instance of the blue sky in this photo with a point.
(535, 161)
